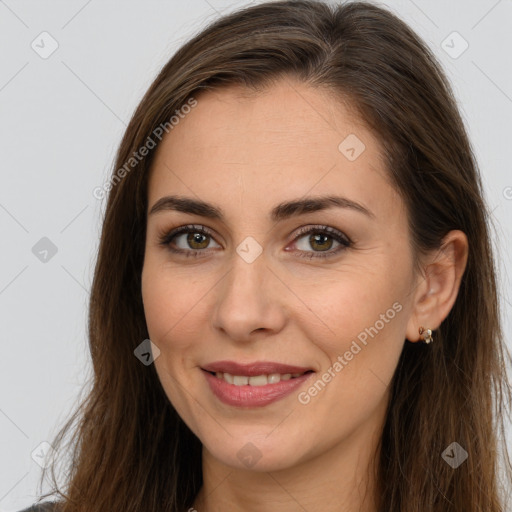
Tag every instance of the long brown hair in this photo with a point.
(130, 450)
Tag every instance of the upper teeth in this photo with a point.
(257, 380)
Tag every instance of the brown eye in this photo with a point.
(197, 240)
(188, 240)
(321, 240)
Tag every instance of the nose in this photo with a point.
(250, 301)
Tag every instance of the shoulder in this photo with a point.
(48, 506)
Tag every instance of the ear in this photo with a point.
(437, 289)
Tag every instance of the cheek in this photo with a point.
(170, 300)
(170, 307)
(362, 345)
(353, 304)
(359, 325)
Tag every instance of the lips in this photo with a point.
(253, 385)
(254, 369)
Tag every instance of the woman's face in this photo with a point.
(251, 290)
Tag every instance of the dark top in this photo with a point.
(48, 506)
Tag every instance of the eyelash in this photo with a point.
(166, 239)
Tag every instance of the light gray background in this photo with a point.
(61, 119)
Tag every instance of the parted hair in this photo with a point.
(128, 450)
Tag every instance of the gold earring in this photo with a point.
(426, 335)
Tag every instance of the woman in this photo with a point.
(294, 301)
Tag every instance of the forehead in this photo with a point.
(287, 141)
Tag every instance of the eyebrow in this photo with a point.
(280, 212)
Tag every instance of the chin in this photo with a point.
(257, 452)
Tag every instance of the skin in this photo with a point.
(245, 152)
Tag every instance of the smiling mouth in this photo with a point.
(256, 380)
